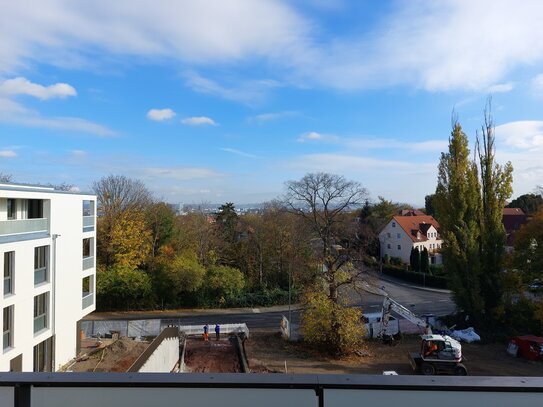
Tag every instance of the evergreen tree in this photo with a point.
(424, 264)
(496, 188)
(415, 259)
(457, 207)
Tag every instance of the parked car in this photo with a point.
(527, 346)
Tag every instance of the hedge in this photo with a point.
(417, 278)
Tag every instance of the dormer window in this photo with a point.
(393, 224)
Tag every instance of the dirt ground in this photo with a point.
(269, 353)
(211, 357)
(109, 356)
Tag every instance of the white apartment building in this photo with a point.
(402, 233)
(47, 252)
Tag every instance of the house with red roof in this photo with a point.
(512, 219)
(403, 233)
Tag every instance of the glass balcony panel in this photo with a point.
(13, 227)
(88, 262)
(88, 301)
(88, 223)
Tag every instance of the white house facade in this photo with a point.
(402, 233)
(47, 253)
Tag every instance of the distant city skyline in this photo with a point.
(209, 101)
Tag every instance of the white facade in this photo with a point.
(395, 241)
(47, 252)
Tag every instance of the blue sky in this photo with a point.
(209, 101)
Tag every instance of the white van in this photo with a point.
(372, 322)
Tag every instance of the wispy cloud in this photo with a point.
(247, 91)
(8, 153)
(14, 113)
(199, 121)
(160, 114)
(22, 86)
(179, 173)
(238, 152)
(537, 83)
(267, 117)
(369, 143)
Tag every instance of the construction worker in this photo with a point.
(431, 348)
(217, 332)
(206, 333)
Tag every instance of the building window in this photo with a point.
(9, 267)
(8, 327)
(398, 235)
(41, 263)
(43, 356)
(393, 224)
(399, 247)
(388, 234)
(12, 209)
(388, 246)
(41, 303)
(34, 208)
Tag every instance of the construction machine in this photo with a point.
(390, 305)
(438, 354)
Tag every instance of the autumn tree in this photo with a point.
(321, 200)
(161, 221)
(128, 241)
(529, 203)
(117, 193)
(528, 253)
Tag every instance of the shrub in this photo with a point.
(418, 278)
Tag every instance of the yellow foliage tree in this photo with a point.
(319, 329)
(129, 239)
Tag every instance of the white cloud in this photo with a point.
(199, 121)
(8, 153)
(526, 135)
(160, 114)
(197, 31)
(238, 152)
(314, 136)
(78, 153)
(437, 46)
(22, 86)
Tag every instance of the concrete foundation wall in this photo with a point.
(164, 358)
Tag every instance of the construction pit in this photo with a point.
(211, 356)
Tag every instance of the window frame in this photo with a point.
(9, 267)
(39, 268)
(7, 315)
(41, 311)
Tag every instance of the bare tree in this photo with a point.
(117, 193)
(5, 177)
(322, 200)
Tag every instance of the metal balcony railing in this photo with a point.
(19, 226)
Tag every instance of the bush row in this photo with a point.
(417, 278)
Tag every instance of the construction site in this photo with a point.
(268, 352)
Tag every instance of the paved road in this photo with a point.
(420, 301)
